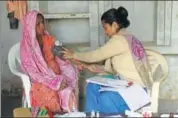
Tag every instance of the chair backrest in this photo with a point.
(159, 67)
(14, 65)
(158, 64)
(14, 58)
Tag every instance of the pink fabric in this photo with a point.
(34, 65)
(140, 60)
(137, 49)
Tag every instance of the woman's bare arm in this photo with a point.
(96, 68)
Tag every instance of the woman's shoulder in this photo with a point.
(117, 38)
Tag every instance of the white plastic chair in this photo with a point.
(159, 69)
(14, 64)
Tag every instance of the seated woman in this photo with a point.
(53, 80)
(124, 56)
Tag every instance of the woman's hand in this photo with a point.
(63, 84)
(67, 54)
(79, 66)
(95, 68)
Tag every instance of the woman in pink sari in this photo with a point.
(53, 80)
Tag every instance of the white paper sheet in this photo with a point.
(135, 96)
(72, 114)
(108, 82)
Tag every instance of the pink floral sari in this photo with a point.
(34, 65)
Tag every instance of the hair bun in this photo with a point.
(122, 15)
(121, 11)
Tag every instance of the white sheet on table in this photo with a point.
(72, 114)
(117, 116)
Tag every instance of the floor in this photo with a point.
(10, 102)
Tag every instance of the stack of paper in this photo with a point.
(135, 96)
(115, 83)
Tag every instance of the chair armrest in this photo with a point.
(155, 95)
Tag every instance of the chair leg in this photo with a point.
(24, 102)
(155, 97)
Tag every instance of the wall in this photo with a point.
(8, 38)
(169, 89)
